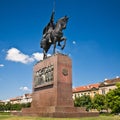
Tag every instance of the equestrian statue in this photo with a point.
(53, 35)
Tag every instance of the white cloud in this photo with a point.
(16, 55)
(1, 65)
(25, 88)
(38, 56)
(117, 76)
(48, 55)
(74, 42)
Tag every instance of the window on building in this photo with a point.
(109, 89)
(103, 91)
(88, 93)
(94, 93)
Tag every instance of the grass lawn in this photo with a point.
(10, 117)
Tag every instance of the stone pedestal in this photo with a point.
(52, 89)
(55, 88)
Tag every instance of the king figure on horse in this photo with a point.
(52, 34)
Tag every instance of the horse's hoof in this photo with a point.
(59, 44)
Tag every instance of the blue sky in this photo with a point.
(93, 40)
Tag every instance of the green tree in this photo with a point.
(8, 106)
(16, 106)
(83, 101)
(113, 99)
(77, 101)
(2, 107)
(99, 102)
(28, 105)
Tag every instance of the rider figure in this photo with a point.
(49, 28)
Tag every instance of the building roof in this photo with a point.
(86, 88)
(110, 82)
(15, 99)
(1, 101)
(96, 85)
(29, 95)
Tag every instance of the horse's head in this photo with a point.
(62, 22)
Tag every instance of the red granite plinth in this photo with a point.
(53, 98)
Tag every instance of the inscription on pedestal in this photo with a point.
(44, 76)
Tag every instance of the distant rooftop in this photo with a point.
(106, 82)
(87, 87)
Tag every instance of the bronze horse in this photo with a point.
(54, 36)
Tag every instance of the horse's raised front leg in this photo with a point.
(63, 39)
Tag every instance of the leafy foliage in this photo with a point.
(113, 99)
(99, 102)
(17, 106)
(83, 101)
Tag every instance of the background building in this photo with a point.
(97, 88)
(108, 85)
(92, 89)
(26, 98)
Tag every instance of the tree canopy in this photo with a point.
(113, 99)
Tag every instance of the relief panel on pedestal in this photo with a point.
(44, 76)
